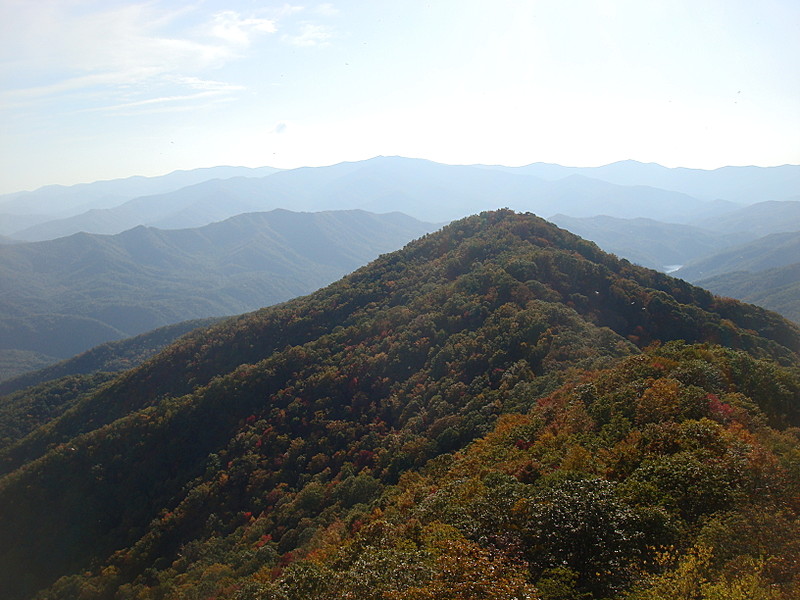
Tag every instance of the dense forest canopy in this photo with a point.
(498, 410)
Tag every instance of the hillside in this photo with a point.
(64, 296)
(758, 219)
(768, 252)
(36, 398)
(15, 362)
(647, 242)
(109, 357)
(211, 469)
(775, 289)
(629, 483)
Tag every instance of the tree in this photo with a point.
(582, 525)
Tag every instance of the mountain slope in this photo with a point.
(16, 362)
(410, 357)
(49, 392)
(64, 296)
(775, 289)
(771, 251)
(656, 479)
(646, 481)
(649, 243)
(758, 219)
(109, 357)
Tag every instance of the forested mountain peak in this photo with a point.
(213, 468)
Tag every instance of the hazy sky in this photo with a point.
(104, 89)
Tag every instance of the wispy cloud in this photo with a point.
(152, 101)
(61, 58)
(162, 104)
(311, 34)
(236, 29)
(136, 53)
(54, 37)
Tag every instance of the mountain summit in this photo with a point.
(257, 436)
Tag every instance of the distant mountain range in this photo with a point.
(423, 189)
(63, 296)
(61, 199)
(741, 185)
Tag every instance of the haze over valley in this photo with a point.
(226, 245)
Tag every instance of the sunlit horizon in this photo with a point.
(106, 90)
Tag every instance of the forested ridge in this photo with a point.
(498, 410)
(62, 297)
(777, 289)
(33, 399)
(119, 355)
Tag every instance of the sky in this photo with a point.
(93, 90)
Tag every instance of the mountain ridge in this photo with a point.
(145, 277)
(775, 289)
(736, 184)
(51, 198)
(109, 357)
(771, 251)
(761, 218)
(648, 242)
(412, 356)
(424, 189)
